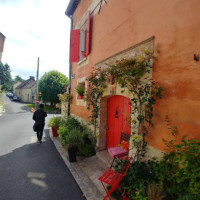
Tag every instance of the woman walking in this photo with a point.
(39, 117)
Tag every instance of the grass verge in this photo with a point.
(46, 108)
(1, 102)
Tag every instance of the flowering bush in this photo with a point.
(65, 97)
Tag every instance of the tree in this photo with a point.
(18, 78)
(51, 84)
(4, 69)
(5, 77)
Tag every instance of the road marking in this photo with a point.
(36, 175)
(40, 183)
(33, 139)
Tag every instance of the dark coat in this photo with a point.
(39, 117)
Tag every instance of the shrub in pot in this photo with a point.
(88, 141)
(54, 123)
(72, 139)
(71, 123)
(67, 124)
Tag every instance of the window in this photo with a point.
(74, 45)
(83, 83)
(80, 89)
(80, 42)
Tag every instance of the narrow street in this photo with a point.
(30, 171)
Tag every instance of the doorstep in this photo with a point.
(86, 170)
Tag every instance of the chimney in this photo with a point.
(32, 78)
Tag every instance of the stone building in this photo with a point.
(15, 85)
(26, 90)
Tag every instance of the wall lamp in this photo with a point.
(196, 57)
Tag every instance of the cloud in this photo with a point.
(17, 41)
(34, 35)
(25, 74)
(11, 2)
(35, 29)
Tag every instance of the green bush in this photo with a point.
(67, 124)
(71, 126)
(136, 181)
(74, 138)
(71, 123)
(176, 176)
(179, 170)
(63, 132)
(54, 122)
(89, 143)
(87, 150)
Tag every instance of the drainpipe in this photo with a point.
(70, 65)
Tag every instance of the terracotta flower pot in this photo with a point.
(83, 54)
(54, 131)
(80, 97)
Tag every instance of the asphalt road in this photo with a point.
(31, 171)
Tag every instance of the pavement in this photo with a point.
(86, 171)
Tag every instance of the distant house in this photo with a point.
(16, 85)
(26, 90)
(2, 39)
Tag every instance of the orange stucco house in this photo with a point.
(103, 31)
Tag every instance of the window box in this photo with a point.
(79, 97)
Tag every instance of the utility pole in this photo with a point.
(37, 74)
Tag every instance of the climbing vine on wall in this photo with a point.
(135, 75)
(97, 84)
(65, 97)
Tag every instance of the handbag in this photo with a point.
(35, 126)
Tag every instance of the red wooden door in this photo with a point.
(118, 112)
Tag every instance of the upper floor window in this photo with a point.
(80, 42)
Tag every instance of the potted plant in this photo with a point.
(65, 97)
(54, 123)
(72, 139)
(80, 90)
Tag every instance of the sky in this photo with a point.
(35, 28)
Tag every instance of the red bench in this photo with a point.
(112, 178)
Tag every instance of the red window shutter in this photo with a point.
(74, 45)
(88, 35)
